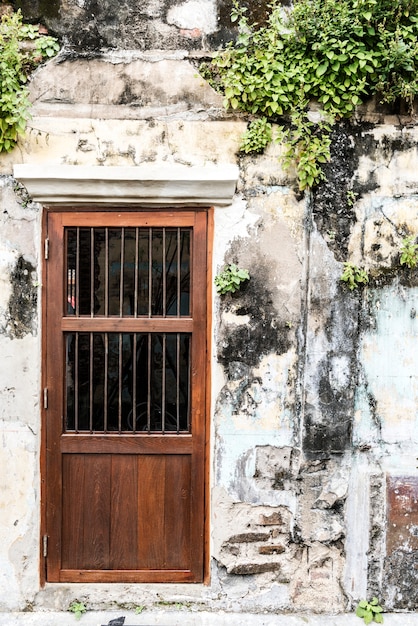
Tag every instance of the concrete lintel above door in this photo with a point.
(157, 184)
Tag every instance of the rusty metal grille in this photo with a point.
(128, 272)
(127, 382)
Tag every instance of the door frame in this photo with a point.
(44, 398)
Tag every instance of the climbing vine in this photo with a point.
(335, 52)
(22, 48)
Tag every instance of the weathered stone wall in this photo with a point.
(313, 484)
(91, 25)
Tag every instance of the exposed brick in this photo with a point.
(191, 33)
(249, 537)
(271, 520)
(254, 568)
(275, 549)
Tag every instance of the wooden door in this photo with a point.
(125, 358)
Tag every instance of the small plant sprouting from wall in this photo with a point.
(22, 48)
(409, 252)
(370, 611)
(336, 52)
(306, 147)
(354, 276)
(231, 279)
(257, 136)
(78, 608)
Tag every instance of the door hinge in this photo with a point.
(45, 546)
(46, 244)
(45, 397)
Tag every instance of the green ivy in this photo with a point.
(257, 137)
(22, 48)
(334, 52)
(306, 146)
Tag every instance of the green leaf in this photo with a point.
(322, 69)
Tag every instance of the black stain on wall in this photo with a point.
(263, 334)
(334, 197)
(330, 405)
(22, 303)
(38, 10)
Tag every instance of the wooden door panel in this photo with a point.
(106, 527)
(164, 511)
(86, 511)
(123, 550)
(73, 511)
(96, 504)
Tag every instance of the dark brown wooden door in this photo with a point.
(125, 358)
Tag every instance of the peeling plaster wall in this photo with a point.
(19, 396)
(313, 481)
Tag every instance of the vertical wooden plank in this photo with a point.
(124, 512)
(208, 370)
(151, 511)
(44, 493)
(177, 512)
(95, 499)
(198, 391)
(73, 511)
(53, 377)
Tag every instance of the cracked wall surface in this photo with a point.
(313, 420)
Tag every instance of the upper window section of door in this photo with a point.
(135, 271)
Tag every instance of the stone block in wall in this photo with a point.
(323, 490)
(315, 585)
(276, 465)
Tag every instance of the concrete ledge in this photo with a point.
(190, 618)
(146, 185)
